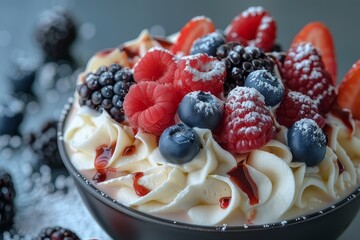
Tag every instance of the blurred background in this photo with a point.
(104, 24)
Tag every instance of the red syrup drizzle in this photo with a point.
(130, 150)
(224, 202)
(103, 155)
(341, 167)
(241, 177)
(139, 189)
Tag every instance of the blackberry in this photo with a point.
(240, 61)
(105, 90)
(7, 196)
(55, 32)
(57, 233)
(44, 144)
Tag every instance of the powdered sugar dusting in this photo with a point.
(204, 71)
(253, 11)
(265, 23)
(272, 83)
(203, 106)
(309, 127)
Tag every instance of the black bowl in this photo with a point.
(122, 222)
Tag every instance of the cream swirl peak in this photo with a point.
(246, 156)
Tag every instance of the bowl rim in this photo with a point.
(116, 205)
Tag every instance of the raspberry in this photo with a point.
(296, 106)
(200, 72)
(158, 65)
(304, 71)
(105, 90)
(253, 27)
(57, 233)
(240, 62)
(151, 106)
(247, 123)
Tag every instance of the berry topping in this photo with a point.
(296, 106)
(7, 197)
(200, 72)
(307, 142)
(105, 90)
(57, 233)
(208, 44)
(304, 71)
(151, 106)
(270, 86)
(200, 109)
(179, 144)
(319, 36)
(240, 62)
(194, 29)
(157, 65)
(253, 27)
(55, 32)
(247, 122)
(349, 91)
(11, 114)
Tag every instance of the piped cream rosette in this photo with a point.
(193, 190)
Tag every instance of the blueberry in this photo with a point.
(307, 142)
(270, 86)
(208, 44)
(11, 115)
(200, 109)
(179, 144)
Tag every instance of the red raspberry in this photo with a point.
(254, 27)
(158, 65)
(200, 72)
(296, 106)
(151, 106)
(248, 124)
(304, 71)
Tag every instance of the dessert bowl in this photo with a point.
(122, 222)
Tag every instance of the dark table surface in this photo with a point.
(109, 23)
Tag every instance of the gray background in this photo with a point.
(109, 23)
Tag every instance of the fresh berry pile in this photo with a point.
(235, 83)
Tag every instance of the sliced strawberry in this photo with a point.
(254, 27)
(320, 37)
(158, 65)
(349, 91)
(194, 29)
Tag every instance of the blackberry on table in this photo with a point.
(55, 32)
(44, 144)
(7, 196)
(106, 89)
(240, 61)
(57, 233)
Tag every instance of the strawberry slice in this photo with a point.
(194, 29)
(320, 37)
(349, 91)
(253, 27)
